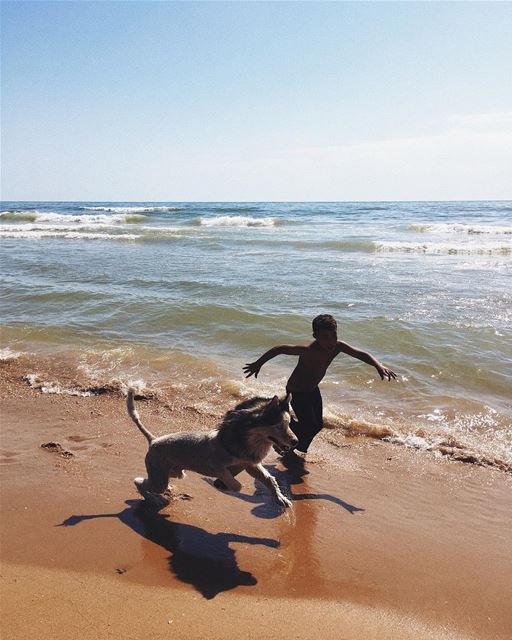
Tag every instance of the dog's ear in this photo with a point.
(285, 402)
(273, 404)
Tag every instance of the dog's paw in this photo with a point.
(157, 501)
(235, 486)
(140, 485)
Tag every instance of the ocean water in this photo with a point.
(134, 290)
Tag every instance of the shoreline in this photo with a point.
(208, 387)
(382, 541)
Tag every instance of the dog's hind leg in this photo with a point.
(156, 483)
(155, 500)
(260, 473)
(141, 486)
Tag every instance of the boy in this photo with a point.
(310, 370)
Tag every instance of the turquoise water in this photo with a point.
(423, 286)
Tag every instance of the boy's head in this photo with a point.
(325, 330)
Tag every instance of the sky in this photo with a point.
(253, 101)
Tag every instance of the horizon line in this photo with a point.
(264, 201)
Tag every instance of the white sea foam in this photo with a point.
(100, 219)
(61, 227)
(9, 354)
(34, 381)
(54, 218)
(471, 229)
(147, 209)
(490, 265)
(139, 386)
(412, 440)
(36, 234)
(496, 456)
(160, 230)
(100, 228)
(463, 248)
(237, 221)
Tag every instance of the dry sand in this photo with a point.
(382, 541)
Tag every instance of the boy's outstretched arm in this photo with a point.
(384, 372)
(282, 349)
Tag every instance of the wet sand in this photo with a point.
(382, 541)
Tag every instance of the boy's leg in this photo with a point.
(318, 408)
(308, 409)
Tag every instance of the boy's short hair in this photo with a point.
(324, 321)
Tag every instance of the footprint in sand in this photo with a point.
(80, 443)
(55, 447)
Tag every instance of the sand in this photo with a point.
(382, 541)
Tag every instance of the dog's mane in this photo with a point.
(245, 413)
(237, 424)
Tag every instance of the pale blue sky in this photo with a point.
(256, 100)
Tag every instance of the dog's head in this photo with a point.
(250, 429)
(276, 424)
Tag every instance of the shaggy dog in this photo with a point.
(240, 442)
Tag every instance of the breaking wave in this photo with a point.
(60, 218)
(115, 386)
(239, 209)
(451, 448)
(9, 354)
(123, 209)
(34, 381)
(441, 445)
(470, 229)
(449, 248)
(19, 216)
(123, 227)
(236, 221)
(65, 234)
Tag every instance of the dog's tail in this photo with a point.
(132, 411)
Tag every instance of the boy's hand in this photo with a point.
(384, 372)
(252, 368)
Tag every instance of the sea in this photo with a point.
(186, 293)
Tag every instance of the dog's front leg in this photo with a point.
(260, 473)
(234, 470)
(229, 483)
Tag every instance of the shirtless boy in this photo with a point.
(314, 360)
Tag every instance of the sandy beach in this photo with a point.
(212, 204)
(382, 541)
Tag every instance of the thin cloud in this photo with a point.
(469, 158)
(493, 120)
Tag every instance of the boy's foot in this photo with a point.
(287, 452)
(294, 456)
